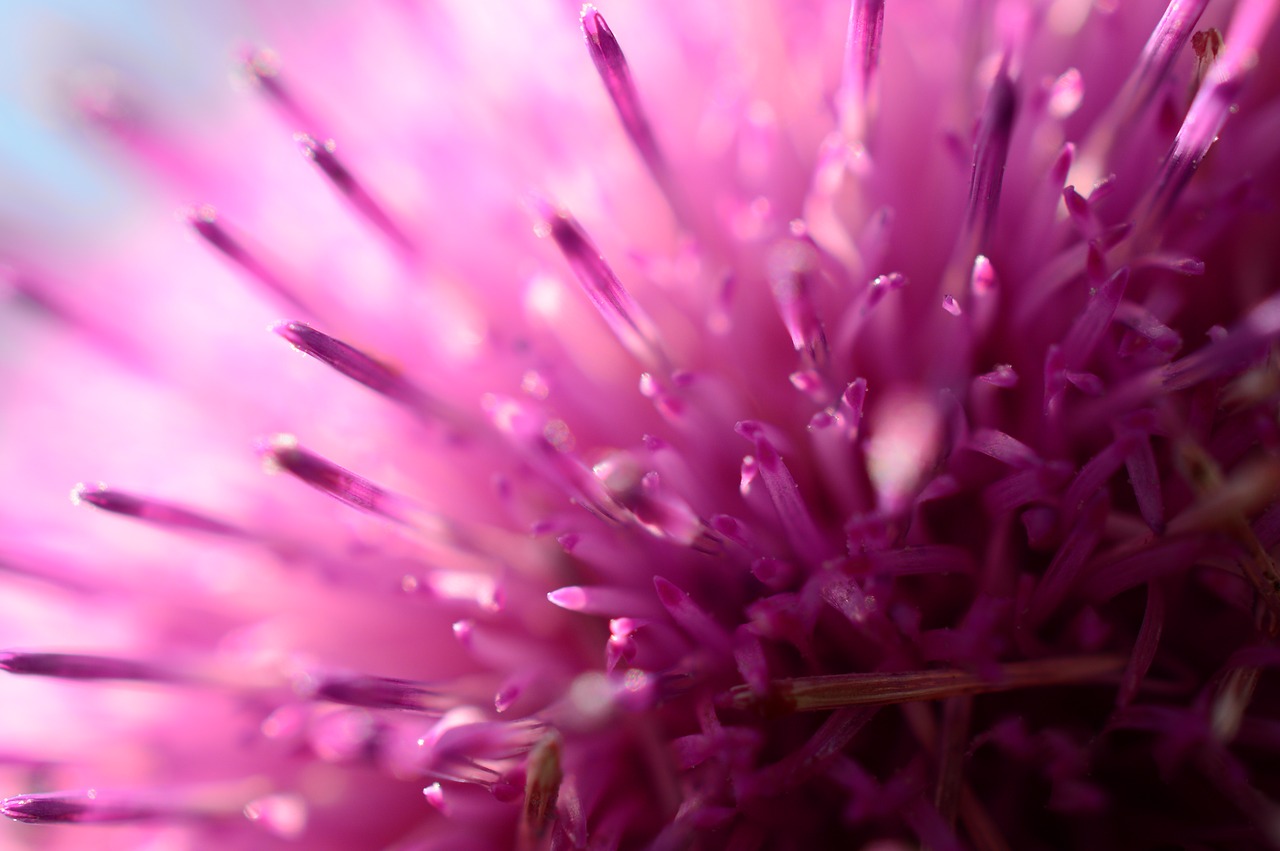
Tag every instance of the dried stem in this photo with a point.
(837, 691)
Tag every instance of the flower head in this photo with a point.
(818, 425)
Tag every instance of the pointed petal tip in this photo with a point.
(310, 147)
(149, 510)
(591, 20)
(373, 692)
(282, 452)
(86, 807)
(270, 448)
(570, 597)
(41, 809)
(542, 209)
(601, 41)
(201, 216)
(668, 592)
(77, 666)
(80, 493)
(287, 328)
(100, 496)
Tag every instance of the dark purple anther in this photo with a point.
(326, 159)
(204, 221)
(1092, 323)
(793, 513)
(1204, 121)
(861, 58)
(1004, 448)
(691, 617)
(76, 666)
(263, 68)
(378, 693)
(1055, 381)
(1082, 216)
(1064, 571)
(803, 762)
(612, 66)
(152, 511)
(990, 151)
(76, 808)
(283, 452)
(356, 365)
(790, 267)
(1260, 326)
(628, 321)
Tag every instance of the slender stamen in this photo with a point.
(822, 747)
(283, 452)
(616, 75)
(79, 666)
(152, 511)
(1199, 131)
(861, 60)
(689, 615)
(1069, 559)
(927, 558)
(990, 152)
(957, 715)
(790, 266)
(324, 155)
(603, 600)
(40, 294)
(1004, 448)
(263, 69)
(346, 359)
(358, 366)
(1081, 213)
(1038, 484)
(58, 577)
(1094, 474)
(1163, 48)
(204, 221)
(753, 666)
(1108, 577)
(572, 815)
(378, 693)
(1146, 331)
(628, 321)
(1144, 648)
(851, 404)
(1144, 476)
(839, 691)
(1003, 376)
(1225, 354)
(80, 808)
(784, 493)
(1214, 102)
(1055, 381)
(846, 596)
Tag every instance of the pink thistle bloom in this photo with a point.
(806, 425)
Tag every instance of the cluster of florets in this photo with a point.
(896, 462)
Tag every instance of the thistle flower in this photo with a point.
(825, 425)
